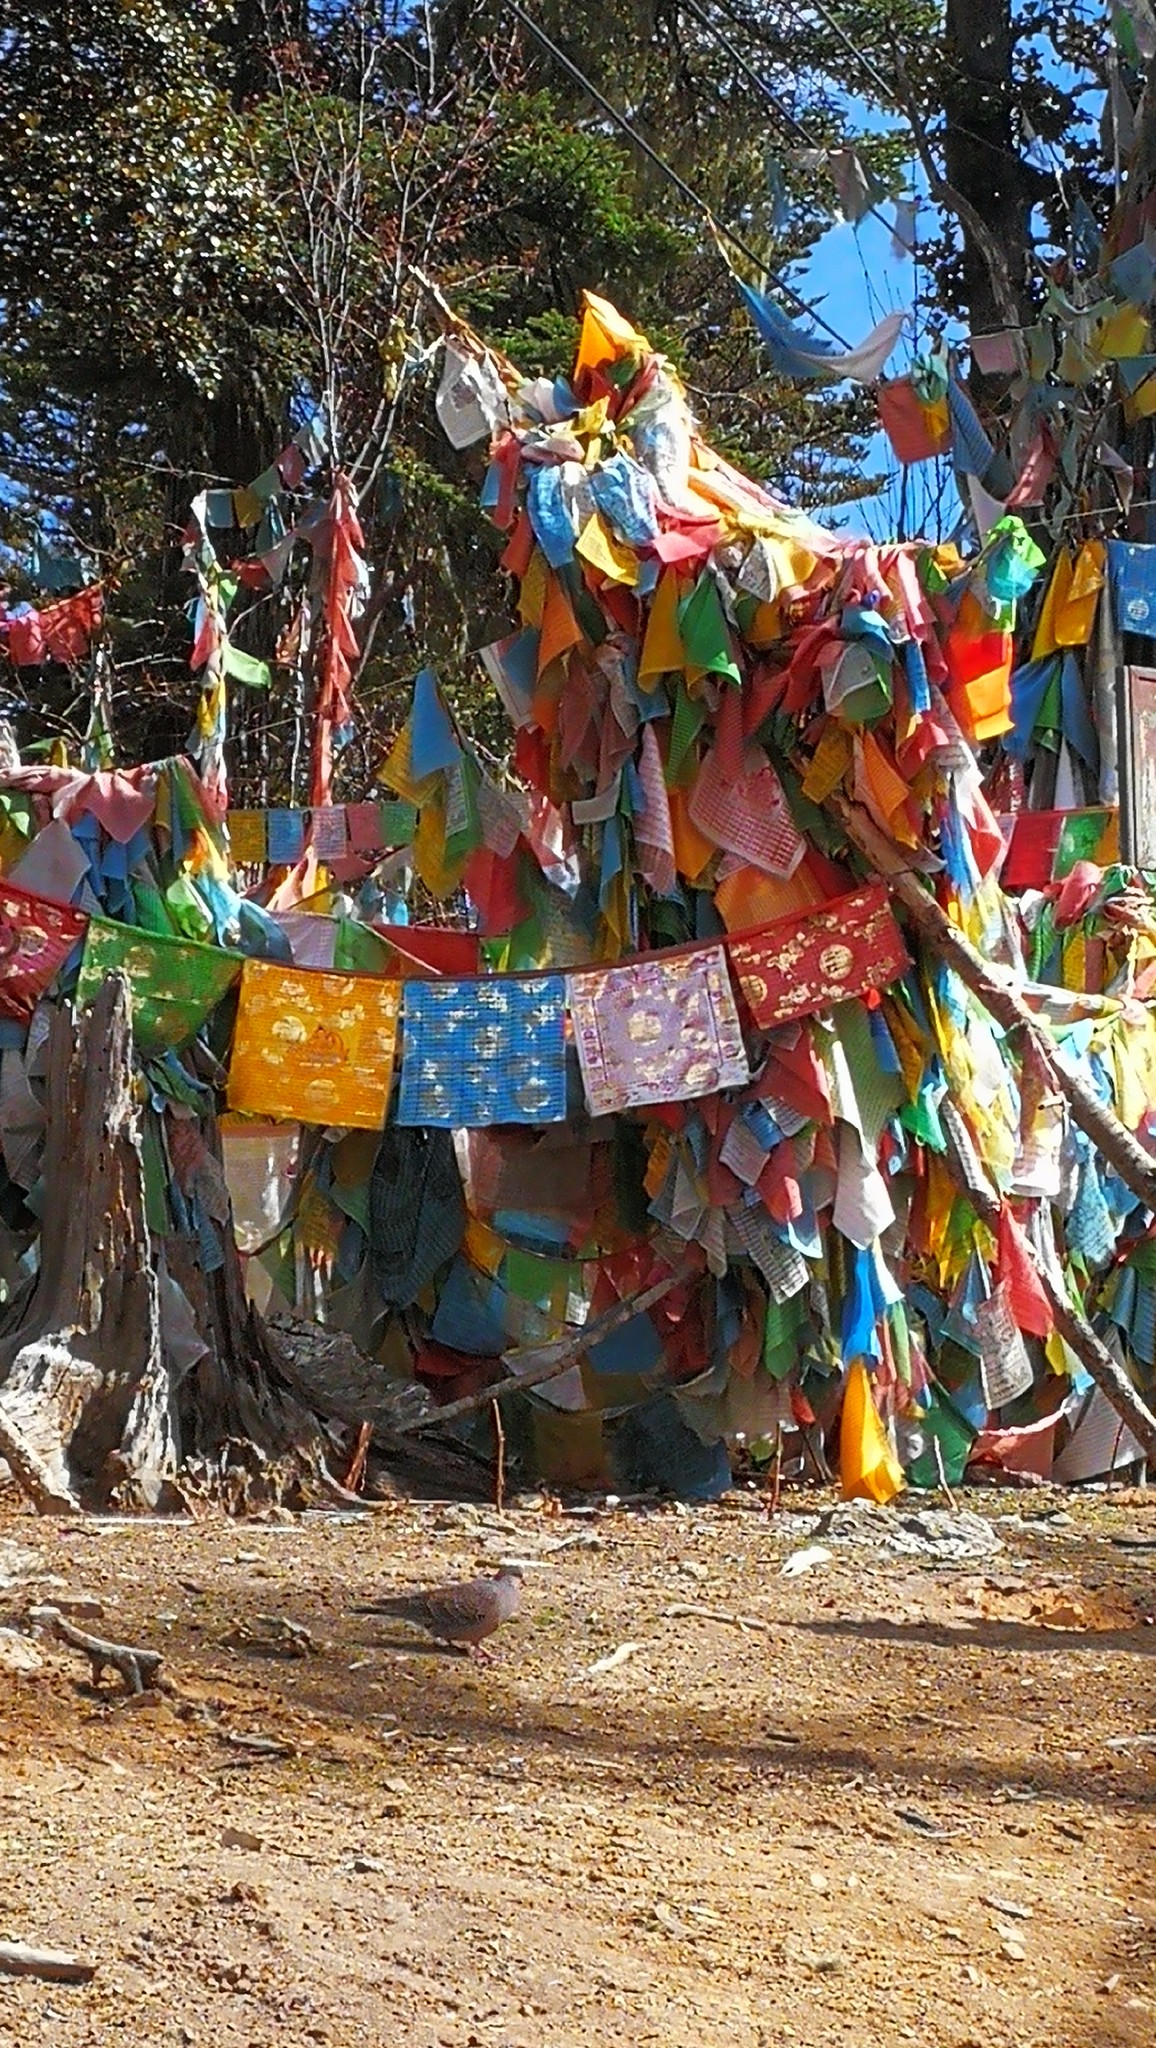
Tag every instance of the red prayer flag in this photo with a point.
(1015, 1262)
(801, 964)
(36, 938)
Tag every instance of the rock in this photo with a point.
(805, 1560)
(17, 1654)
(16, 1563)
(78, 1606)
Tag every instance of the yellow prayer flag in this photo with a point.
(830, 764)
(1044, 641)
(597, 545)
(247, 838)
(662, 648)
(398, 774)
(248, 508)
(532, 594)
(483, 1247)
(1075, 612)
(314, 1048)
(1123, 334)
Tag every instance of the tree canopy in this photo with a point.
(219, 215)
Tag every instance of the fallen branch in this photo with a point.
(51, 1964)
(555, 1358)
(138, 1668)
(683, 1609)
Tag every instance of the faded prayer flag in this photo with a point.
(658, 1030)
(36, 938)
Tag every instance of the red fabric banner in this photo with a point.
(36, 938)
(801, 964)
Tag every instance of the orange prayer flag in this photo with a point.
(868, 1467)
(560, 629)
(692, 848)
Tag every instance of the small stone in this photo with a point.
(819, 1883)
(366, 1866)
(1009, 1908)
(1014, 1950)
(1110, 1984)
(17, 1654)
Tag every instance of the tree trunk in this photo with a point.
(83, 1383)
(980, 154)
(97, 1410)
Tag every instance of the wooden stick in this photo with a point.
(563, 1356)
(1073, 1326)
(138, 1668)
(1135, 1166)
(499, 1456)
(777, 1475)
(354, 1479)
(688, 1608)
(52, 1964)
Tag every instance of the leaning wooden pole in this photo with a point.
(1073, 1326)
(561, 1356)
(1135, 1166)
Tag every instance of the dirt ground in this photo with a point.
(897, 1810)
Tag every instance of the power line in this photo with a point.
(784, 113)
(668, 171)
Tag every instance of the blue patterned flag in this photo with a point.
(484, 1052)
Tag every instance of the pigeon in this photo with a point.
(463, 1614)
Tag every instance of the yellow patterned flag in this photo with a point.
(313, 1047)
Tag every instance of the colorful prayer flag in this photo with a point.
(799, 965)
(658, 1030)
(314, 1048)
(36, 938)
(484, 1052)
(175, 984)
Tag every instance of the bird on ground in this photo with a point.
(464, 1614)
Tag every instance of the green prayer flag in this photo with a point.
(245, 668)
(705, 633)
(944, 1430)
(1081, 838)
(358, 949)
(175, 985)
(398, 822)
(689, 714)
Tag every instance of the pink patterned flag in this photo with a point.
(658, 1030)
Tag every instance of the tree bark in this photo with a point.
(83, 1381)
(94, 1413)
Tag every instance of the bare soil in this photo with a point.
(898, 1811)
